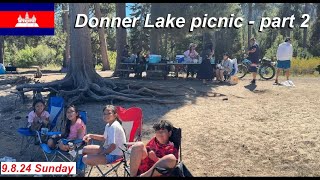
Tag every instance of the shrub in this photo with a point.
(39, 56)
(304, 66)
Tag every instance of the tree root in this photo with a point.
(102, 89)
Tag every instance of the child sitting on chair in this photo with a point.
(159, 152)
(38, 118)
(113, 138)
(75, 129)
(225, 67)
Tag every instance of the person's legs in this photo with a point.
(253, 70)
(277, 75)
(287, 73)
(91, 149)
(138, 153)
(94, 159)
(221, 74)
(51, 143)
(63, 147)
(167, 161)
(287, 68)
(217, 74)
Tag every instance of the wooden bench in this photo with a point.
(157, 70)
(126, 68)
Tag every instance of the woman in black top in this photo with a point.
(205, 69)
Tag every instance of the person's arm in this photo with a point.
(186, 54)
(108, 150)
(97, 137)
(111, 141)
(291, 52)
(278, 53)
(46, 120)
(80, 130)
(252, 50)
(152, 155)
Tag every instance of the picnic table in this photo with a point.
(157, 70)
(126, 68)
(182, 67)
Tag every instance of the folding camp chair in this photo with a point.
(180, 169)
(55, 107)
(52, 154)
(131, 119)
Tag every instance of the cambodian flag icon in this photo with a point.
(26, 19)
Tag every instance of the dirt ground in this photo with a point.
(267, 131)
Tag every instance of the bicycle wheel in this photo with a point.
(267, 71)
(242, 71)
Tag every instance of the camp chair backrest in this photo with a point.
(131, 119)
(176, 137)
(55, 108)
(83, 116)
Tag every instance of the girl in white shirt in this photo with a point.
(113, 138)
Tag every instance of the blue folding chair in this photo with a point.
(52, 154)
(29, 137)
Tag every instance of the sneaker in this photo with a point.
(253, 81)
(276, 82)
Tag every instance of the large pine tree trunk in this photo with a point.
(82, 83)
(66, 29)
(1, 49)
(154, 34)
(102, 38)
(121, 33)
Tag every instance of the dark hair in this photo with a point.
(287, 39)
(226, 54)
(114, 111)
(68, 124)
(163, 124)
(36, 102)
(126, 46)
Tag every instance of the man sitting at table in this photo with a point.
(190, 55)
(126, 58)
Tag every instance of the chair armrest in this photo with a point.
(129, 143)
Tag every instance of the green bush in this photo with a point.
(112, 57)
(39, 56)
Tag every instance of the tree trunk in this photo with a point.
(305, 30)
(154, 34)
(166, 44)
(121, 34)
(66, 28)
(82, 83)
(1, 49)
(249, 19)
(102, 38)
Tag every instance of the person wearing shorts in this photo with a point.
(113, 138)
(284, 56)
(254, 53)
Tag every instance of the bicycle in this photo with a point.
(266, 68)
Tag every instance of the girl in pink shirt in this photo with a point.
(75, 129)
(38, 118)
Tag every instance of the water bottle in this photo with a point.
(72, 151)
